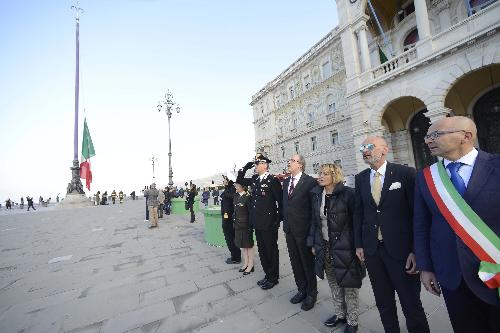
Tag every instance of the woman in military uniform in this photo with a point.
(243, 232)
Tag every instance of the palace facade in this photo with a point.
(389, 68)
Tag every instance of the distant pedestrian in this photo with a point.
(21, 205)
(30, 203)
(152, 194)
(161, 203)
(191, 194)
(8, 204)
(98, 198)
(57, 198)
(121, 196)
(113, 196)
(132, 195)
(104, 200)
(215, 195)
(145, 191)
(205, 195)
(40, 201)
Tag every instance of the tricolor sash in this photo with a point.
(466, 224)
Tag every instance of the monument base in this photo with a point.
(75, 200)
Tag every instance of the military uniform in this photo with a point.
(265, 217)
(113, 196)
(120, 195)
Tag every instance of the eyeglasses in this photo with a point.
(369, 146)
(436, 134)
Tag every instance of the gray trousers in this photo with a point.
(345, 300)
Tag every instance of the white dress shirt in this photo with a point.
(295, 180)
(468, 161)
(380, 170)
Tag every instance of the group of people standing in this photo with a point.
(438, 227)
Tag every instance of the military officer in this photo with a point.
(120, 195)
(113, 196)
(265, 215)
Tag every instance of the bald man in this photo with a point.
(383, 236)
(449, 243)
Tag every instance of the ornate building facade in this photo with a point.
(389, 68)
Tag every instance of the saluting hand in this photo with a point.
(361, 254)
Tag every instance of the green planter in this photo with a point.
(213, 227)
(178, 206)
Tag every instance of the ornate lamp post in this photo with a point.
(168, 106)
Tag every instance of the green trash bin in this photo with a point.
(178, 206)
(213, 227)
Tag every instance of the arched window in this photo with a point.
(410, 40)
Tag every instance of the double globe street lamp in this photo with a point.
(168, 105)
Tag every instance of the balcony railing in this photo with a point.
(395, 63)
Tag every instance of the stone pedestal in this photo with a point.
(75, 200)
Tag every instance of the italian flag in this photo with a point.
(87, 153)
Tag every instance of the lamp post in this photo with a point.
(153, 159)
(168, 105)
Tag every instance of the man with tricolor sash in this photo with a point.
(457, 224)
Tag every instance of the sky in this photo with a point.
(212, 55)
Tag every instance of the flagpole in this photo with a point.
(75, 186)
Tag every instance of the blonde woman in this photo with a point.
(243, 233)
(332, 239)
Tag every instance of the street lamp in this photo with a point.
(168, 105)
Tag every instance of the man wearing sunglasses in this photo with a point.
(457, 226)
(383, 236)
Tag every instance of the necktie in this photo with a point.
(290, 190)
(376, 188)
(455, 177)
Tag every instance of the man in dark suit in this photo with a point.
(383, 234)
(227, 211)
(265, 216)
(449, 261)
(296, 224)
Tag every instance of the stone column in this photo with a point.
(443, 8)
(365, 52)
(355, 52)
(424, 30)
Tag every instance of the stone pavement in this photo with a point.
(99, 269)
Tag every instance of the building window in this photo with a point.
(316, 168)
(334, 138)
(296, 147)
(282, 152)
(332, 108)
(477, 5)
(410, 40)
(327, 70)
(406, 11)
(292, 92)
(307, 82)
(313, 143)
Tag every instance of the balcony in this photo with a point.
(461, 35)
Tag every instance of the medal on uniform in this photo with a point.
(226, 216)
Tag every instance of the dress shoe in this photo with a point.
(299, 297)
(268, 285)
(350, 329)
(242, 269)
(248, 272)
(152, 226)
(261, 282)
(231, 261)
(334, 321)
(308, 303)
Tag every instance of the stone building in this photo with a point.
(389, 68)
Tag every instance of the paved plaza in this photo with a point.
(100, 269)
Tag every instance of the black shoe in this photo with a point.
(261, 282)
(231, 261)
(242, 269)
(152, 226)
(308, 303)
(268, 285)
(299, 297)
(334, 321)
(250, 271)
(350, 329)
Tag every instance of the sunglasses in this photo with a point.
(369, 146)
(436, 134)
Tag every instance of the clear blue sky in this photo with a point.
(213, 56)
